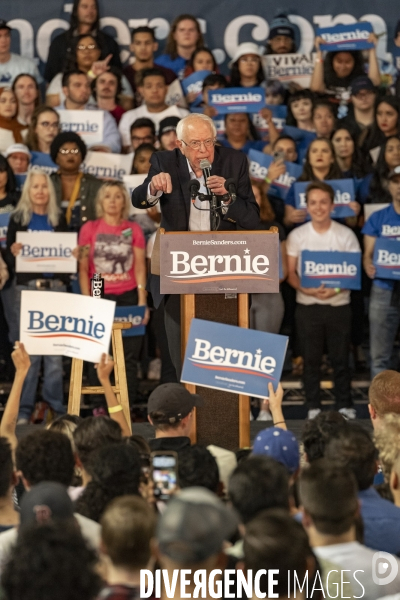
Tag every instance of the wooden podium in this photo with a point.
(224, 419)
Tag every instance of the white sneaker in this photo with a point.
(154, 370)
(314, 412)
(264, 415)
(349, 413)
(22, 421)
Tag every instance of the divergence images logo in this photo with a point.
(384, 568)
(216, 358)
(218, 267)
(64, 326)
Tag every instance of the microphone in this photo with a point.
(205, 166)
(194, 186)
(231, 187)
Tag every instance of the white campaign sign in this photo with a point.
(289, 67)
(54, 323)
(89, 124)
(46, 252)
(131, 182)
(106, 165)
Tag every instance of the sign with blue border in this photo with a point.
(259, 165)
(234, 100)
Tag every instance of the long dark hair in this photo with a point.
(74, 23)
(359, 166)
(11, 183)
(299, 95)
(235, 75)
(71, 63)
(330, 77)
(308, 173)
(378, 192)
(31, 138)
(170, 47)
(376, 137)
(253, 135)
(196, 52)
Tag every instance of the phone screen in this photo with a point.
(164, 469)
(279, 155)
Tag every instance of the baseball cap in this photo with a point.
(45, 501)
(3, 25)
(361, 83)
(168, 124)
(246, 48)
(394, 172)
(280, 445)
(17, 148)
(194, 526)
(280, 25)
(174, 401)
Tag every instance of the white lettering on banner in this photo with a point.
(232, 98)
(311, 268)
(135, 320)
(334, 38)
(341, 198)
(207, 265)
(195, 87)
(257, 171)
(386, 258)
(217, 355)
(390, 230)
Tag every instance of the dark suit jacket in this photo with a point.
(175, 207)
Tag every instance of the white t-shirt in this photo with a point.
(15, 66)
(139, 113)
(55, 88)
(337, 238)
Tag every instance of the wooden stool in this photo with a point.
(120, 388)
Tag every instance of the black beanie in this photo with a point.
(63, 138)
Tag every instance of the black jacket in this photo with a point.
(24, 278)
(60, 50)
(175, 207)
(90, 185)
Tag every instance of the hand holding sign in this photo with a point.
(20, 358)
(104, 367)
(161, 183)
(16, 248)
(276, 169)
(324, 293)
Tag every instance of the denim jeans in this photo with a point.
(383, 324)
(52, 389)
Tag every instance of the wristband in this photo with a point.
(337, 290)
(267, 180)
(115, 409)
(319, 60)
(141, 287)
(91, 74)
(279, 423)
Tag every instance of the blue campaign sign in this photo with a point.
(332, 269)
(194, 84)
(346, 37)
(225, 357)
(234, 100)
(344, 194)
(386, 258)
(4, 220)
(131, 314)
(259, 164)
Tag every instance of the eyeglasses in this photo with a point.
(48, 125)
(69, 151)
(88, 47)
(196, 144)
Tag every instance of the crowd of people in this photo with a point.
(80, 509)
(80, 516)
(345, 126)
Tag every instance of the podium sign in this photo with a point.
(219, 262)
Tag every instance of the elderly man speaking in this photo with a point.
(168, 182)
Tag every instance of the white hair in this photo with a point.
(23, 210)
(191, 119)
